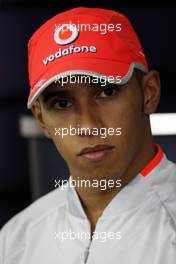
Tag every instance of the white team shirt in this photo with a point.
(139, 225)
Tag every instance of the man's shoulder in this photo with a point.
(164, 185)
(21, 225)
(170, 185)
(42, 207)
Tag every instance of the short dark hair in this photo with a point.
(139, 77)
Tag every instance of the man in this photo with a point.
(122, 206)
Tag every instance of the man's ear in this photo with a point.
(37, 112)
(151, 88)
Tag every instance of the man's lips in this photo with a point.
(96, 152)
(96, 148)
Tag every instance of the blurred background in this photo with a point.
(29, 164)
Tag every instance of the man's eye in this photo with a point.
(62, 104)
(108, 92)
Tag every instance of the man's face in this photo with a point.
(95, 106)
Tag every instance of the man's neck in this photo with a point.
(94, 201)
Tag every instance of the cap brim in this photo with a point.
(85, 66)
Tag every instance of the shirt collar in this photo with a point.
(133, 195)
(154, 162)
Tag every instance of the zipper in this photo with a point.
(86, 253)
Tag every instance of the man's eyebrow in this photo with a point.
(49, 95)
(60, 93)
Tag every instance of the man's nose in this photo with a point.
(89, 117)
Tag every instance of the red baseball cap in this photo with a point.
(89, 41)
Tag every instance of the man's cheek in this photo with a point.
(64, 147)
(58, 142)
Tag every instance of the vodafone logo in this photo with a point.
(68, 51)
(65, 34)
